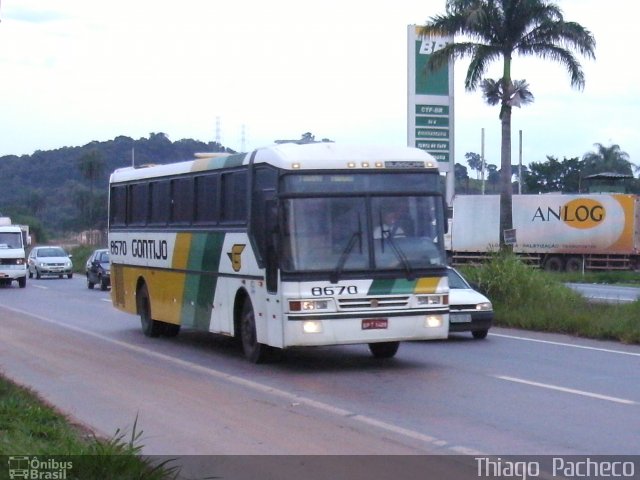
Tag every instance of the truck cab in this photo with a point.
(13, 264)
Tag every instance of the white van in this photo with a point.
(13, 262)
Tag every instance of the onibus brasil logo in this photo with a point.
(38, 469)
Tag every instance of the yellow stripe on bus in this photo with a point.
(426, 285)
(181, 251)
(165, 287)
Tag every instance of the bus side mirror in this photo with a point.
(445, 214)
(273, 245)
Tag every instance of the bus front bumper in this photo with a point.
(314, 330)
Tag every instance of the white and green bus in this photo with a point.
(286, 246)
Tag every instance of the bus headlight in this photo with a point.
(424, 300)
(312, 326)
(433, 321)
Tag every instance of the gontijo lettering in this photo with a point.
(150, 249)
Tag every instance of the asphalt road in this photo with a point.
(515, 393)
(606, 293)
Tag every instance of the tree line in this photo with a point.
(570, 175)
(62, 191)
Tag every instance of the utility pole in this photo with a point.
(482, 158)
(520, 167)
(218, 135)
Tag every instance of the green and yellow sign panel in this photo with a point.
(430, 100)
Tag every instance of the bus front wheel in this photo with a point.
(254, 351)
(384, 349)
(150, 327)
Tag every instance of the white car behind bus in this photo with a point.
(470, 311)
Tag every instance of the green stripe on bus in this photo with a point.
(204, 256)
(391, 287)
(234, 160)
(219, 162)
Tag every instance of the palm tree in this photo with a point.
(518, 93)
(607, 159)
(500, 29)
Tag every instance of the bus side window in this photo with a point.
(118, 206)
(182, 201)
(206, 201)
(160, 202)
(138, 203)
(234, 197)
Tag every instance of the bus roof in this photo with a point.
(333, 155)
(293, 156)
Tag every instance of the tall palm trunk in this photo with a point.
(506, 188)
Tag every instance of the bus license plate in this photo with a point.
(374, 323)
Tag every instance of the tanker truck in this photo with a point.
(557, 232)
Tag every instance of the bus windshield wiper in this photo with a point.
(357, 235)
(401, 256)
(388, 235)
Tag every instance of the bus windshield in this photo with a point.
(362, 233)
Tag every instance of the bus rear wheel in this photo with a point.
(254, 351)
(384, 349)
(150, 327)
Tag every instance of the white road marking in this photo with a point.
(41, 287)
(567, 390)
(292, 398)
(561, 344)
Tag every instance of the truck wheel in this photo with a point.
(22, 282)
(150, 327)
(554, 264)
(574, 264)
(384, 349)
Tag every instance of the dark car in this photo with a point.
(98, 269)
(470, 311)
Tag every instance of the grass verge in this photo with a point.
(528, 298)
(29, 427)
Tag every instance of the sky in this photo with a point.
(249, 72)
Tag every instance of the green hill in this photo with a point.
(48, 191)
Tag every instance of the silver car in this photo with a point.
(49, 260)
